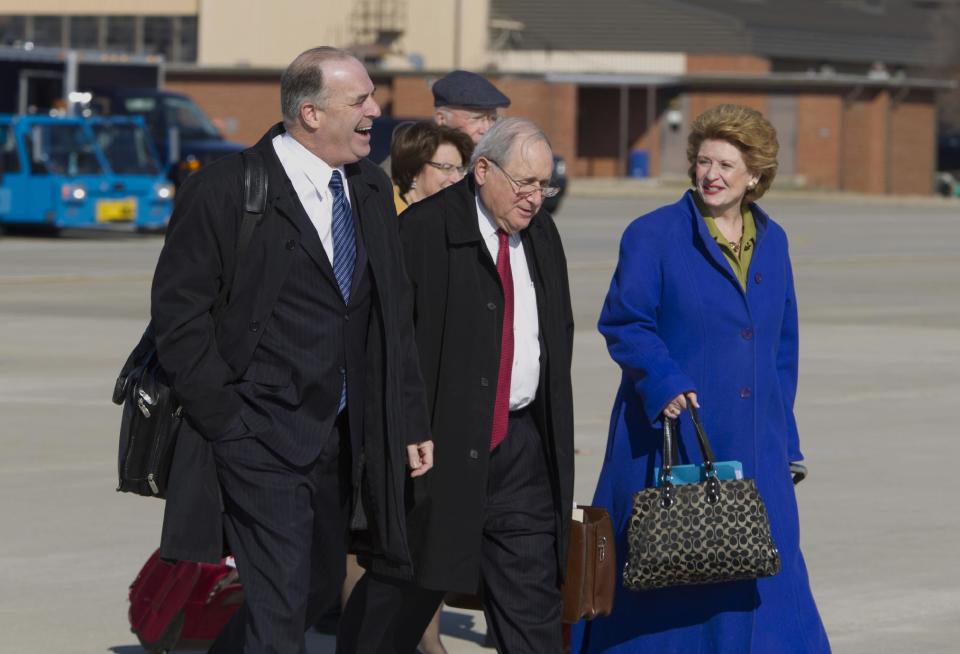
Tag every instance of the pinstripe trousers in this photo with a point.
(518, 567)
(287, 528)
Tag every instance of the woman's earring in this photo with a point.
(413, 184)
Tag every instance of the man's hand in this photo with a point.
(420, 458)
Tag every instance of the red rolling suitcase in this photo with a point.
(183, 604)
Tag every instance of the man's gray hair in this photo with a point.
(499, 140)
(302, 81)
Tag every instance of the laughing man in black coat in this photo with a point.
(306, 394)
(495, 344)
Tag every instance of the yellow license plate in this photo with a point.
(116, 211)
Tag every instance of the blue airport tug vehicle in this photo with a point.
(71, 172)
(132, 158)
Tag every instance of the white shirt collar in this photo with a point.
(488, 226)
(316, 169)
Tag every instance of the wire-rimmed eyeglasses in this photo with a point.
(525, 189)
(448, 168)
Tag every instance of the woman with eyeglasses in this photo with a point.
(425, 158)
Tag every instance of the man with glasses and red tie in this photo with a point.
(494, 331)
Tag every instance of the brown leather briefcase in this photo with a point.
(591, 566)
(591, 569)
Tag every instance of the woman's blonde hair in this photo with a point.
(744, 128)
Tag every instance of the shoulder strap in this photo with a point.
(255, 187)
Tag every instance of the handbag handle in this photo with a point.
(671, 456)
(705, 448)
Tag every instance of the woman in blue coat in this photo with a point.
(702, 309)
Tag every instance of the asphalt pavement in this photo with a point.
(878, 283)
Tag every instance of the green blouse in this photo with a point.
(748, 240)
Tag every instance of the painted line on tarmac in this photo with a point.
(74, 278)
(808, 260)
(55, 401)
(906, 395)
(861, 259)
(593, 265)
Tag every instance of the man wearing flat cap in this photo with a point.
(467, 102)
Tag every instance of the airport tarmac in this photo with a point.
(878, 285)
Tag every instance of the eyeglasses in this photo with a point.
(476, 116)
(448, 168)
(526, 189)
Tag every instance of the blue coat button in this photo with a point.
(745, 392)
(747, 334)
(758, 278)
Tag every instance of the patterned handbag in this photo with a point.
(704, 533)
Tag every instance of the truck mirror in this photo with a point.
(173, 145)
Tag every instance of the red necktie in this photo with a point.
(501, 407)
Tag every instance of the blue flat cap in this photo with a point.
(462, 88)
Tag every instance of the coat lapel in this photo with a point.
(371, 241)
(285, 202)
(535, 251)
(460, 213)
(706, 243)
(463, 221)
(288, 205)
(360, 196)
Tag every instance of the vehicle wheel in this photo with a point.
(16, 229)
(945, 184)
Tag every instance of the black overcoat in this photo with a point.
(458, 311)
(204, 358)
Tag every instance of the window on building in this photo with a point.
(158, 36)
(188, 38)
(121, 34)
(85, 32)
(13, 29)
(174, 37)
(47, 32)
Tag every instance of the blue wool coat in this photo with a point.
(676, 319)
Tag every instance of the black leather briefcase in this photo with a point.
(152, 415)
(150, 423)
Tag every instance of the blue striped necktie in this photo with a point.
(344, 243)
(344, 251)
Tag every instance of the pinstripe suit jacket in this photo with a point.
(204, 360)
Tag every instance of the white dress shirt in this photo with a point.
(310, 176)
(525, 376)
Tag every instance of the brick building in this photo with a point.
(851, 85)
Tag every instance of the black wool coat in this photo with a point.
(204, 358)
(458, 309)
